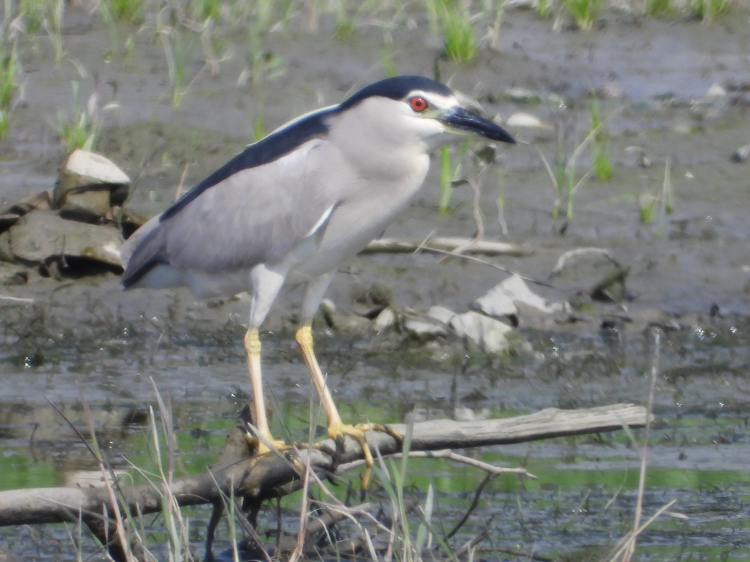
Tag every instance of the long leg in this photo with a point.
(314, 292)
(266, 286)
(336, 428)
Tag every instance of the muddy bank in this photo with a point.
(686, 261)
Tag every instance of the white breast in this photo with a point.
(363, 216)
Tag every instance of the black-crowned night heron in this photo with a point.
(293, 206)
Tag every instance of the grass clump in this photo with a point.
(52, 23)
(583, 12)
(454, 21)
(708, 10)
(9, 71)
(34, 12)
(208, 9)
(78, 130)
(178, 51)
(543, 8)
(123, 10)
(659, 8)
(81, 129)
(345, 27)
(262, 63)
(259, 127)
(565, 180)
(389, 65)
(448, 174)
(600, 150)
(663, 203)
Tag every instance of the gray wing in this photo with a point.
(254, 216)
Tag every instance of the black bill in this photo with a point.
(460, 119)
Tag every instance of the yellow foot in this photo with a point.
(280, 447)
(337, 431)
(260, 447)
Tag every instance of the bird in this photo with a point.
(292, 207)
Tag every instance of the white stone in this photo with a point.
(502, 299)
(385, 319)
(486, 333)
(96, 167)
(84, 171)
(425, 327)
(441, 314)
(526, 120)
(716, 91)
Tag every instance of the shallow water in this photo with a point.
(587, 485)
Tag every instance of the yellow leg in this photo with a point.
(252, 352)
(336, 428)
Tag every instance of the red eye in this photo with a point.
(418, 104)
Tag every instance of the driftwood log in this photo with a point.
(269, 476)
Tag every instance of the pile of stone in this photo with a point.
(72, 230)
(492, 321)
(488, 327)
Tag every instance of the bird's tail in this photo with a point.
(142, 251)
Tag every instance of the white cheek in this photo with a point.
(433, 133)
(427, 126)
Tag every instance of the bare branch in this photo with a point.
(447, 454)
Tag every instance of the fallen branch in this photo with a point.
(260, 478)
(446, 244)
(447, 454)
(15, 300)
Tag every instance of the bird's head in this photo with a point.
(408, 109)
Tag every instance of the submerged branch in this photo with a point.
(260, 478)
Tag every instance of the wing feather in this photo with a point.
(254, 216)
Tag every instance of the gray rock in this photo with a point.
(13, 274)
(8, 220)
(129, 220)
(9, 214)
(342, 322)
(593, 271)
(351, 323)
(40, 236)
(5, 252)
(88, 206)
(741, 154)
(486, 333)
(611, 288)
(85, 172)
(464, 413)
(37, 202)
